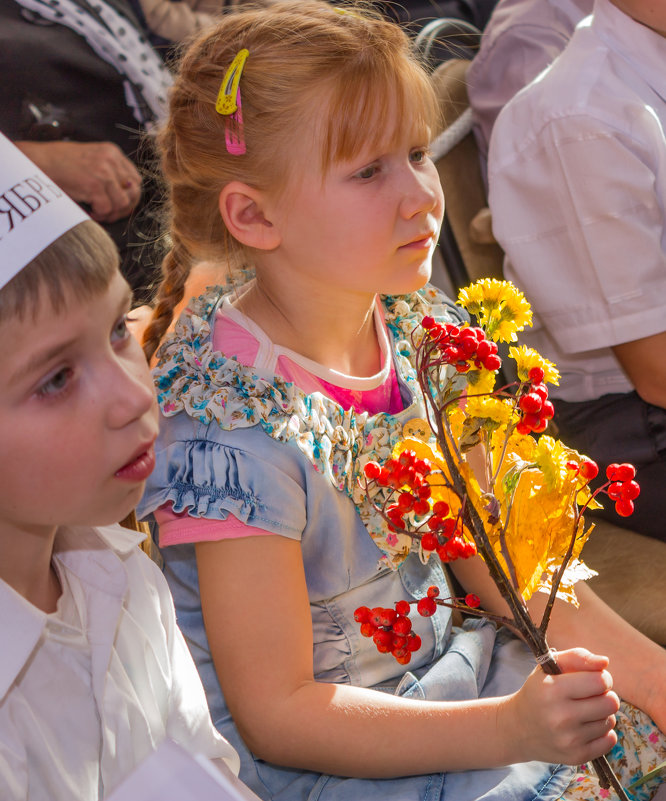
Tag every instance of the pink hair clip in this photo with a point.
(228, 104)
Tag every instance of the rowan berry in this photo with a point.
(473, 601)
(625, 472)
(536, 375)
(429, 541)
(413, 642)
(402, 625)
(372, 470)
(610, 471)
(434, 522)
(382, 640)
(376, 616)
(426, 607)
(424, 492)
(421, 507)
(630, 491)
(362, 614)
(406, 501)
(402, 608)
(589, 469)
(398, 643)
(422, 466)
(367, 629)
(492, 362)
(530, 402)
(624, 508)
(404, 659)
(428, 322)
(433, 591)
(441, 508)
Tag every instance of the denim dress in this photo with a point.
(234, 440)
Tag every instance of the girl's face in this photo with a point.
(371, 224)
(78, 416)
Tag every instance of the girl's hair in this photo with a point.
(82, 261)
(301, 52)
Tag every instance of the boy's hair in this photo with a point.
(300, 53)
(82, 261)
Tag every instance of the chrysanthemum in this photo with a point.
(527, 358)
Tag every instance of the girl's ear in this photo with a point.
(243, 211)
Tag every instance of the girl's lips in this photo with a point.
(139, 468)
(423, 242)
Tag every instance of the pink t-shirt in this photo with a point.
(236, 335)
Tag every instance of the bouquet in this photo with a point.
(487, 485)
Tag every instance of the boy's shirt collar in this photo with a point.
(639, 45)
(94, 556)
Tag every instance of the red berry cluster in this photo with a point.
(464, 348)
(445, 535)
(390, 629)
(536, 410)
(405, 471)
(622, 489)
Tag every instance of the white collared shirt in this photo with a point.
(577, 175)
(88, 692)
(521, 39)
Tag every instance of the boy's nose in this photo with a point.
(132, 396)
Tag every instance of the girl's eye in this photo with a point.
(419, 155)
(56, 384)
(368, 172)
(120, 330)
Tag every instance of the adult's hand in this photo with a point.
(96, 173)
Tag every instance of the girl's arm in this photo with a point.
(637, 664)
(259, 628)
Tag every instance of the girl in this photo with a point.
(94, 672)
(297, 145)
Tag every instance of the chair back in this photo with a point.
(468, 247)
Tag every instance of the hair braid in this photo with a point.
(176, 268)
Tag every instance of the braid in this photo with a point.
(176, 268)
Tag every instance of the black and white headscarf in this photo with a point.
(117, 41)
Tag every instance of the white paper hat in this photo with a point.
(33, 211)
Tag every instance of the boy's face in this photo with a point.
(649, 12)
(78, 416)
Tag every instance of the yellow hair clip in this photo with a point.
(227, 97)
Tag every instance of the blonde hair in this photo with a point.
(82, 262)
(299, 52)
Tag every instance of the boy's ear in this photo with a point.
(243, 211)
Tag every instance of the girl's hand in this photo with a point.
(568, 718)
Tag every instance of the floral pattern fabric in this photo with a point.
(639, 749)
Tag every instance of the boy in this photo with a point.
(94, 672)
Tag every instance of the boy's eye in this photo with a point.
(56, 384)
(120, 330)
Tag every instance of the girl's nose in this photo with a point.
(423, 194)
(132, 395)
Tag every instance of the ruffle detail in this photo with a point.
(210, 387)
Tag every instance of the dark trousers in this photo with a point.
(622, 428)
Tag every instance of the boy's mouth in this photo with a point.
(140, 466)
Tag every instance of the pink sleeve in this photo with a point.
(178, 529)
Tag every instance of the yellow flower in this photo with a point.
(527, 358)
(499, 306)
